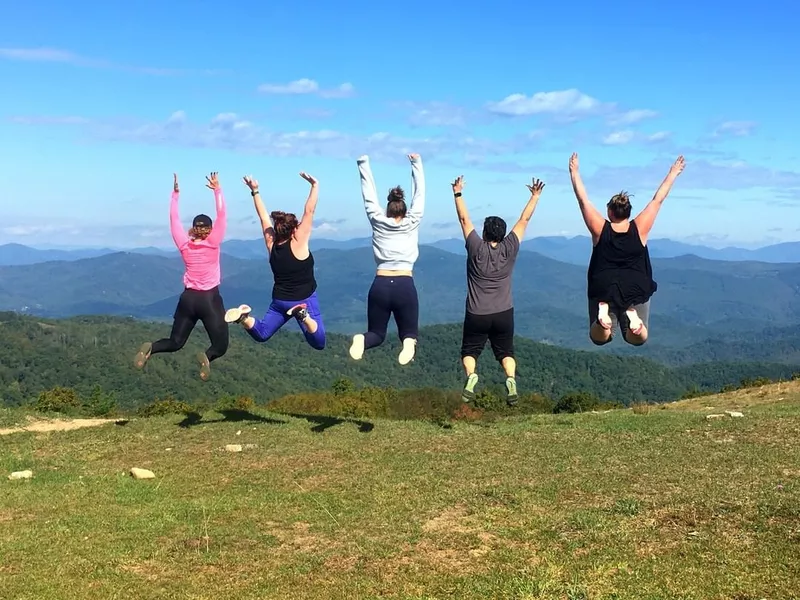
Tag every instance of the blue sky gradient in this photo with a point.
(103, 101)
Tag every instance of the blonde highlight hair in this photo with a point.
(620, 205)
(199, 233)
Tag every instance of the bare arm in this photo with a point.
(303, 233)
(535, 188)
(418, 187)
(591, 216)
(179, 235)
(266, 223)
(646, 218)
(221, 221)
(461, 207)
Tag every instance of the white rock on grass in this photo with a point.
(709, 417)
(233, 448)
(21, 475)
(734, 414)
(137, 473)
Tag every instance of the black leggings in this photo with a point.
(498, 328)
(391, 296)
(193, 306)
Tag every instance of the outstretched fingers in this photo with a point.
(309, 178)
(212, 181)
(458, 184)
(536, 187)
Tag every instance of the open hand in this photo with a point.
(213, 181)
(677, 167)
(250, 182)
(458, 184)
(536, 187)
(413, 157)
(175, 183)
(310, 179)
(573, 163)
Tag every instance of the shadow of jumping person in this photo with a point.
(323, 422)
(231, 415)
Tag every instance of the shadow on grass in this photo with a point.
(323, 422)
(228, 416)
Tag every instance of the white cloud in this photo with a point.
(619, 138)
(436, 114)
(631, 117)
(307, 86)
(570, 102)
(735, 129)
(55, 55)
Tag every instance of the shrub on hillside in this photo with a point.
(99, 403)
(244, 403)
(59, 400)
(577, 402)
(167, 406)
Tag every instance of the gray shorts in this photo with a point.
(619, 318)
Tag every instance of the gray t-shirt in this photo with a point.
(489, 274)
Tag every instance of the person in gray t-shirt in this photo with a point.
(489, 311)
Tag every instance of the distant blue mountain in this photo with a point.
(574, 250)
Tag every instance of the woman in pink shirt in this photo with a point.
(200, 300)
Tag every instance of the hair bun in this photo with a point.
(396, 194)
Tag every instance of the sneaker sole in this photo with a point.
(141, 358)
(205, 366)
(357, 348)
(234, 315)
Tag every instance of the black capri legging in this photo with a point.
(197, 305)
(498, 328)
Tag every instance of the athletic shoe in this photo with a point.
(468, 394)
(140, 360)
(237, 315)
(357, 347)
(299, 312)
(602, 315)
(636, 323)
(205, 366)
(511, 388)
(409, 349)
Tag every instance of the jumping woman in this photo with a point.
(294, 293)
(395, 246)
(200, 300)
(620, 276)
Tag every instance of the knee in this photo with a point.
(602, 342)
(638, 342)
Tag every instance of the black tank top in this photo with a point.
(620, 272)
(294, 279)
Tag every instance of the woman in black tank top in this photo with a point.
(620, 277)
(294, 292)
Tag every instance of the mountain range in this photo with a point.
(700, 304)
(573, 250)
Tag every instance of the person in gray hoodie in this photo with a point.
(395, 246)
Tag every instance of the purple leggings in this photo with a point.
(276, 318)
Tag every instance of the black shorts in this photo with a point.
(619, 318)
(497, 328)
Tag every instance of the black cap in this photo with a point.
(201, 221)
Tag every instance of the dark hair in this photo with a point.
(284, 225)
(397, 203)
(494, 229)
(620, 206)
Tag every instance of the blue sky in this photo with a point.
(102, 102)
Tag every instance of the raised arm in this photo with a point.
(303, 233)
(418, 188)
(461, 207)
(179, 235)
(267, 229)
(646, 218)
(591, 216)
(221, 222)
(520, 226)
(368, 190)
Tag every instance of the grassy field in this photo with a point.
(639, 504)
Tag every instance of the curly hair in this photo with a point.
(396, 206)
(197, 234)
(494, 229)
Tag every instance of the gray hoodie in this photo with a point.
(395, 244)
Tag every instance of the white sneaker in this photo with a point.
(357, 347)
(237, 315)
(636, 323)
(407, 354)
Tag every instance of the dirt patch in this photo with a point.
(45, 426)
(450, 520)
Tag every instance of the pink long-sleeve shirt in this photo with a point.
(201, 257)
